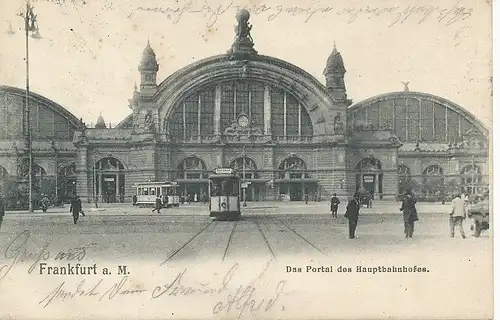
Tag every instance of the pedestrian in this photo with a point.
(306, 198)
(157, 204)
(457, 215)
(409, 213)
(76, 208)
(334, 205)
(44, 203)
(96, 202)
(2, 210)
(352, 214)
(134, 200)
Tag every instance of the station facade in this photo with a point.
(283, 131)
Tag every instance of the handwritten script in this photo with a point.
(18, 252)
(211, 12)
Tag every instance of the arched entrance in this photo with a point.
(294, 181)
(369, 176)
(66, 183)
(41, 184)
(4, 181)
(109, 180)
(471, 179)
(246, 169)
(404, 179)
(433, 181)
(192, 177)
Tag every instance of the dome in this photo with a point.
(100, 123)
(335, 63)
(148, 60)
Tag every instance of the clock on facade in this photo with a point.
(243, 121)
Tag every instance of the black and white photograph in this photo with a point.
(237, 159)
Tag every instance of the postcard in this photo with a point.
(236, 159)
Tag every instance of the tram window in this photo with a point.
(215, 188)
(153, 192)
(145, 191)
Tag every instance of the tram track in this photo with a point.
(297, 234)
(229, 240)
(265, 240)
(188, 242)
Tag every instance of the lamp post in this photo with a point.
(30, 25)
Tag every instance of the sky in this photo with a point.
(88, 57)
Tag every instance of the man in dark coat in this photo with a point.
(158, 204)
(352, 214)
(409, 213)
(334, 205)
(2, 210)
(76, 208)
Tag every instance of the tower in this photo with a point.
(148, 69)
(334, 74)
(100, 123)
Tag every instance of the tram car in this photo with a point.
(147, 192)
(224, 190)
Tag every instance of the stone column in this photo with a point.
(218, 101)
(267, 111)
(82, 174)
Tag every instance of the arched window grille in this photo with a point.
(192, 168)
(293, 168)
(244, 167)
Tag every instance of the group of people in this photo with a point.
(456, 217)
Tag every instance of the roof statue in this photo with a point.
(406, 83)
(243, 41)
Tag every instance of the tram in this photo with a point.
(224, 190)
(146, 193)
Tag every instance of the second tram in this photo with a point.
(147, 192)
(224, 190)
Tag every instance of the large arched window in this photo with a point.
(192, 168)
(195, 116)
(293, 168)
(471, 179)
(244, 167)
(109, 180)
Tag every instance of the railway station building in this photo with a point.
(286, 133)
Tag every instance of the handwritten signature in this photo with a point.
(246, 298)
(18, 253)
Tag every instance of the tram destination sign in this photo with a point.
(223, 171)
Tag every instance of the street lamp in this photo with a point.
(244, 177)
(30, 25)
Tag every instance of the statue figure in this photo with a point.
(337, 124)
(148, 121)
(243, 28)
(406, 83)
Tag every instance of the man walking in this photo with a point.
(158, 204)
(334, 205)
(76, 208)
(352, 214)
(457, 215)
(409, 214)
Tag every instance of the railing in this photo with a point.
(282, 139)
